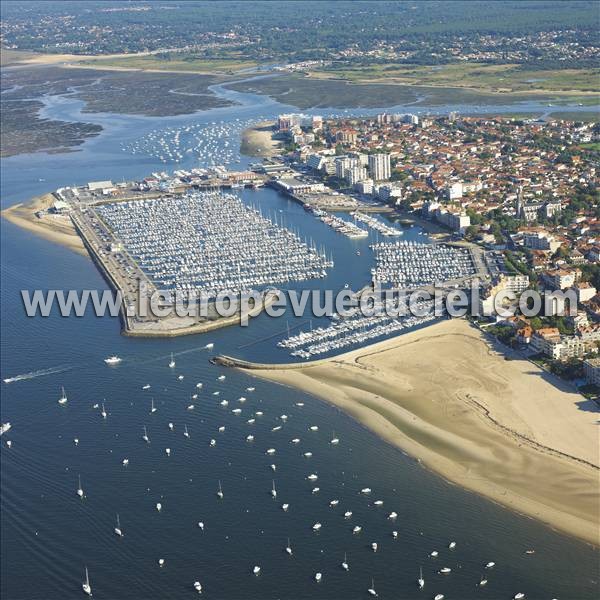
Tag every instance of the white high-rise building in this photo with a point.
(380, 166)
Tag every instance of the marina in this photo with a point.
(409, 264)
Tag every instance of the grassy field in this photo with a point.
(308, 92)
(491, 78)
(174, 62)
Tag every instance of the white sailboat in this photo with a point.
(334, 440)
(63, 396)
(172, 362)
(186, 433)
(118, 530)
(79, 488)
(103, 412)
(288, 548)
(145, 436)
(421, 581)
(152, 407)
(220, 491)
(198, 586)
(371, 590)
(273, 490)
(87, 588)
(345, 563)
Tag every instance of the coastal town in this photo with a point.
(525, 191)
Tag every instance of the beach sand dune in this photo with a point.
(498, 427)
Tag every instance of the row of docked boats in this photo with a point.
(209, 242)
(412, 264)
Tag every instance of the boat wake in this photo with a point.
(38, 373)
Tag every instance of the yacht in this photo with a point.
(285, 507)
(158, 506)
(452, 545)
(87, 588)
(273, 491)
(63, 396)
(374, 546)
(334, 440)
(444, 570)
(220, 491)
(113, 360)
(421, 581)
(490, 565)
(316, 526)
(103, 411)
(345, 563)
(318, 577)
(186, 433)
(118, 528)
(172, 362)
(256, 570)
(198, 586)
(152, 407)
(288, 548)
(371, 590)
(145, 436)
(5, 427)
(79, 488)
(438, 597)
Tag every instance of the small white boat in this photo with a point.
(345, 563)
(333, 503)
(168, 451)
(146, 387)
(87, 588)
(421, 581)
(199, 385)
(276, 428)
(347, 514)
(152, 407)
(220, 492)
(180, 377)
(158, 506)
(201, 525)
(256, 570)
(79, 488)
(209, 346)
(295, 441)
(519, 596)
(271, 451)
(316, 526)
(374, 546)
(318, 577)
(250, 389)
(103, 412)
(161, 562)
(273, 491)
(113, 360)
(213, 442)
(356, 529)
(171, 426)
(145, 436)
(186, 433)
(172, 362)
(285, 507)
(198, 586)
(288, 548)
(378, 503)
(452, 545)
(434, 554)
(5, 427)
(221, 378)
(273, 468)
(307, 454)
(395, 534)
(63, 397)
(438, 597)
(191, 407)
(76, 441)
(445, 570)
(125, 462)
(371, 591)
(393, 515)
(313, 477)
(334, 440)
(314, 428)
(365, 490)
(236, 411)
(259, 413)
(117, 529)
(315, 490)
(249, 438)
(490, 565)
(483, 581)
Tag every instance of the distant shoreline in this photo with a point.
(446, 397)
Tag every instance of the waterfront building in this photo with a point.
(591, 370)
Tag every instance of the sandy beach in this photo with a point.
(497, 427)
(257, 140)
(56, 228)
